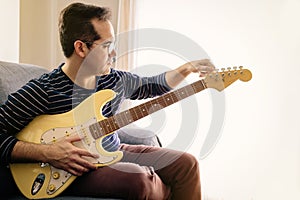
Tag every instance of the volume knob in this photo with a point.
(51, 188)
(56, 175)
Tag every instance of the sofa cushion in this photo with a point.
(13, 76)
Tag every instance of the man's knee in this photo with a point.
(189, 162)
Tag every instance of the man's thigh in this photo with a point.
(156, 157)
(120, 180)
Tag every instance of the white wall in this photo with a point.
(258, 154)
(36, 32)
(9, 35)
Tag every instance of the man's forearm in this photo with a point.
(176, 76)
(28, 152)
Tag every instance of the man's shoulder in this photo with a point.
(53, 79)
(53, 76)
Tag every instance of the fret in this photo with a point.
(142, 110)
(183, 94)
(149, 105)
(199, 86)
(152, 105)
(189, 90)
(103, 127)
(97, 130)
(107, 125)
(162, 102)
(119, 120)
(180, 94)
(169, 98)
(113, 125)
(93, 130)
(173, 97)
(133, 113)
(155, 106)
(126, 117)
(194, 87)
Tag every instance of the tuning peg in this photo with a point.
(241, 69)
(235, 68)
(223, 69)
(228, 68)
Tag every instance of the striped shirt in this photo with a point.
(55, 93)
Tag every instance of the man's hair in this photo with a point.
(75, 24)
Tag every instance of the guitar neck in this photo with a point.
(126, 117)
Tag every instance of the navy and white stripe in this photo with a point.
(55, 93)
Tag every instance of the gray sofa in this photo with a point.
(13, 76)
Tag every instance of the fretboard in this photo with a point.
(126, 117)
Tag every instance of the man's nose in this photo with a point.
(113, 53)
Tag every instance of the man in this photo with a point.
(87, 38)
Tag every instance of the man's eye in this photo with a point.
(106, 45)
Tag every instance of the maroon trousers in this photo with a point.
(145, 172)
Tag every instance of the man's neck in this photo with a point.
(72, 68)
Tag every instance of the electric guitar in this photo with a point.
(41, 180)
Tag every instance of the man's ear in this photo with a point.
(80, 48)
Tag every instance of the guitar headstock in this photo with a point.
(221, 80)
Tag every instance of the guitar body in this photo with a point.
(41, 180)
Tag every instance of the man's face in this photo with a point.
(100, 57)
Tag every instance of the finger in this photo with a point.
(74, 138)
(74, 172)
(77, 169)
(84, 162)
(208, 63)
(206, 68)
(87, 165)
(80, 165)
(210, 69)
(83, 152)
(202, 74)
(80, 162)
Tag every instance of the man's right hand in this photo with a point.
(62, 154)
(66, 156)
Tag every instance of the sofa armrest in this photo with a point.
(138, 136)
